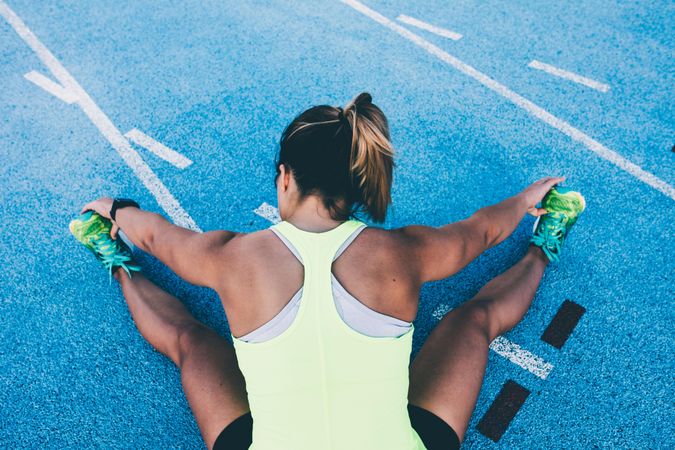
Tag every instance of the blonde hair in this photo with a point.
(372, 154)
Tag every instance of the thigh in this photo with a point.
(213, 384)
(447, 373)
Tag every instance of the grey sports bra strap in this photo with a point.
(290, 246)
(348, 241)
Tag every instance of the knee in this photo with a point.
(190, 337)
(477, 314)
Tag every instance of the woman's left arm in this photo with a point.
(196, 257)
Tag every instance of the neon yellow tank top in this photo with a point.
(320, 385)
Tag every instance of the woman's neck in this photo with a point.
(312, 215)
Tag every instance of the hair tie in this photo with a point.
(342, 118)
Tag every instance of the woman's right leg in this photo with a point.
(213, 384)
(447, 373)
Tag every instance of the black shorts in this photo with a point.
(434, 431)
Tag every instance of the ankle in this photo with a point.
(120, 274)
(537, 253)
(117, 273)
(125, 268)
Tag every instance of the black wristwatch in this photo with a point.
(121, 203)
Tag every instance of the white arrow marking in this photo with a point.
(164, 198)
(428, 27)
(167, 154)
(50, 86)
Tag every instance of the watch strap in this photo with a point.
(121, 203)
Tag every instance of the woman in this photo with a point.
(329, 369)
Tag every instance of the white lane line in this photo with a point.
(598, 86)
(167, 154)
(269, 212)
(428, 27)
(509, 350)
(521, 357)
(163, 196)
(527, 105)
(48, 85)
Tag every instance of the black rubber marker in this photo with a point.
(563, 324)
(502, 411)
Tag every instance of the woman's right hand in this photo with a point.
(535, 192)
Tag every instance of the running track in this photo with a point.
(511, 92)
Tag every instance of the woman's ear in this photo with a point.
(284, 177)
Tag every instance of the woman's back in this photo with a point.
(373, 269)
(320, 383)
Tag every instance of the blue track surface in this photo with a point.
(219, 81)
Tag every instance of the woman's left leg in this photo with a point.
(213, 384)
(447, 374)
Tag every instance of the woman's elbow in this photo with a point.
(484, 230)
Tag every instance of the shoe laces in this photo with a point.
(111, 254)
(550, 234)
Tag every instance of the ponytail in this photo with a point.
(344, 155)
(371, 156)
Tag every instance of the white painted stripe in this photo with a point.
(527, 105)
(598, 86)
(48, 85)
(513, 352)
(440, 311)
(163, 196)
(269, 212)
(521, 357)
(167, 154)
(428, 27)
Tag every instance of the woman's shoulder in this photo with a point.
(379, 243)
(245, 243)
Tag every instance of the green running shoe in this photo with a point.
(564, 207)
(93, 231)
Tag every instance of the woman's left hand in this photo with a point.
(102, 208)
(535, 193)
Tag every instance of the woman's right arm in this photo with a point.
(439, 252)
